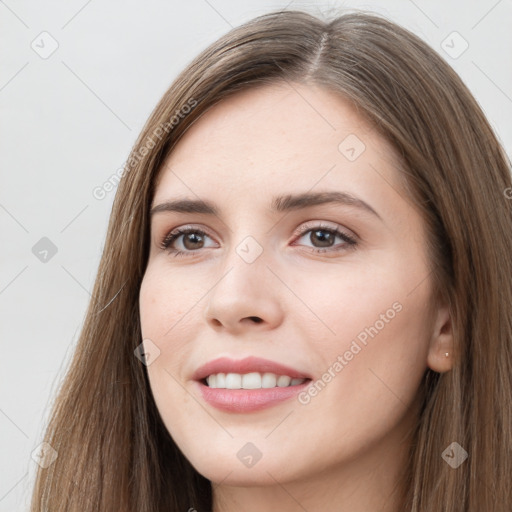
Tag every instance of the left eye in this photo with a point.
(193, 238)
(326, 238)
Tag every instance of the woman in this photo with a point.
(304, 299)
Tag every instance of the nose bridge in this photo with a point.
(245, 288)
(250, 245)
(244, 270)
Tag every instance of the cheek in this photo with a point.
(165, 302)
(164, 324)
(369, 338)
(378, 360)
(360, 300)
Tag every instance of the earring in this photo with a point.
(446, 354)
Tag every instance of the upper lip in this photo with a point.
(246, 365)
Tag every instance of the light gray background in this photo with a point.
(68, 123)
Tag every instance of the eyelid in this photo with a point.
(322, 224)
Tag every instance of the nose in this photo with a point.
(246, 296)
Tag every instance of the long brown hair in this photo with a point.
(114, 452)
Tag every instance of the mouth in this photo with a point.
(249, 384)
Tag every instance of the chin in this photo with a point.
(228, 469)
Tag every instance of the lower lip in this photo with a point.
(247, 400)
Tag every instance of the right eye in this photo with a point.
(191, 236)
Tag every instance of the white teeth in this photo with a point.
(268, 380)
(253, 380)
(283, 381)
(220, 380)
(233, 381)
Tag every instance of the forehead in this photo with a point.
(280, 136)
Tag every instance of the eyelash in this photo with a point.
(350, 242)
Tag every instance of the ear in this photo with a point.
(441, 342)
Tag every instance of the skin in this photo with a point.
(345, 448)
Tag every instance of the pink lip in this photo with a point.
(247, 400)
(246, 365)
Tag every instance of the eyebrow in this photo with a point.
(283, 203)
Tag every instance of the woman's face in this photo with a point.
(267, 276)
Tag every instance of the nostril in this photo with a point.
(257, 319)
